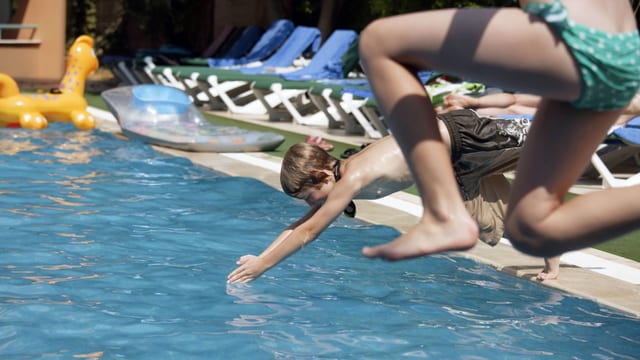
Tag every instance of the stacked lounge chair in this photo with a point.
(268, 43)
(354, 100)
(236, 44)
(623, 143)
(229, 88)
(232, 42)
(333, 62)
(217, 85)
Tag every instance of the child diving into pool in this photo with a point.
(481, 150)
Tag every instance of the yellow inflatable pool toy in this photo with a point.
(64, 103)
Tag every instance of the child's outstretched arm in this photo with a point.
(251, 266)
(294, 238)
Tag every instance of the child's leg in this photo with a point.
(511, 110)
(451, 41)
(499, 101)
(551, 269)
(527, 100)
(455, 101)
(445, 222)
(560, 142)
(634, 106)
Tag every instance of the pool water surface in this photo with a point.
(111, 250)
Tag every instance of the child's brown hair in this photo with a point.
(303, 167)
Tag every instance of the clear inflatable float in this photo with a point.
(163, 115)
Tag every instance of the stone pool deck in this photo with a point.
(599, 276)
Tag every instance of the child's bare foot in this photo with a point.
(543, 275)
(455, 101)
(551, 269)
(427, 238)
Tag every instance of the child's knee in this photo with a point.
(528, 237)
(370, 37)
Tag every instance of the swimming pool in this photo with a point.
(111, 250)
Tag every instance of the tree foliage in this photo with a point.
(182, 21)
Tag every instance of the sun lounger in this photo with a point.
(327, 96)
(169, 54)
(188, 78)
(236, 45)
(113, 62)
(335, 59)
(170, 76)
(302, 40)
(229, 89)
(622, 144)
(232, 42)
(351, 100)
(354, 102)
(252, 45)
(225, 37)
(232, 87)
(268, 43)
(260, 49)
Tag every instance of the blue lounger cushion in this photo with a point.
(630, 133)
(269, 42)
(329, 62)
(302, 39)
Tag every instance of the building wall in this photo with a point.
(41, 62)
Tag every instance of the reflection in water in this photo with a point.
(12, 147)
(60, 200)
(46, 148)
(40, 190)
(52, 281)
(76, 182)
(246, 295)
(89, 356)
(283, 323)
(77, 149)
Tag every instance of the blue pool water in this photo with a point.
(113, 251)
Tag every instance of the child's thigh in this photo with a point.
(559, 145)
(502, 46)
